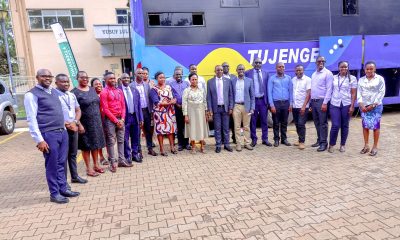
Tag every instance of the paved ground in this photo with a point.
(268, 193)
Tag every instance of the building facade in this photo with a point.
(97, 31)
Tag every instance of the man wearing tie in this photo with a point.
(260, 80)
(133, 121)
(147, 109)
(243, 96)
(220, 106)
(225, 69)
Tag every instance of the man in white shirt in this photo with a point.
(72, 115)
(200, 80)
(225, 70)
(301, 97)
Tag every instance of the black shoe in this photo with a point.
(59, 199)
(315, 144)
(253, 143)
(68, 186)
(322, 148)
(286, 143)
(79, 180)
(180, 148)
(70, 193)
(137, 158)
(151, 152)
(218, 149)
(276, 143)
(234, 140)
(153, 145)
(267, 143)
(228, 148)
(188, 147)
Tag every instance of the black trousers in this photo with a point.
(147, 128)
(300, 122)
(180, 122)
(72, 153)
(320, 121)
(280, 119)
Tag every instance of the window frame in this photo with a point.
(351, 15)
(173, 26)
(240, 6)
(56, 15)
(121, 15)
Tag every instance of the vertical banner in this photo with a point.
(137, 35)
(66, 51)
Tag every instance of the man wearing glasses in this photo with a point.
(46, 125)
(321, 92)
(260, 80)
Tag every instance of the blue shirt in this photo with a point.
(257, 92)
(239, 91)
(280, 88)
(177, 89)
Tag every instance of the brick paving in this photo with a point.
(268, 193)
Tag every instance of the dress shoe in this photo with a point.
(322, 148)
(137, 158)
(113, 167)
(342, 148)
(253, 143)
(188, 147)
(276, 143)
(69, 186)
(315, 144)
(180, 148)
(302, 146)
(239, 147)
(234, 140)
(267, 143)
(153, 145)
(286, 143)
(124, 164)
(151, 152)
(79, 180)
(249, 147)
(296, 144)
(218, 149)
(59, 199)
(228, 148)
(70, 193)
(331, 149)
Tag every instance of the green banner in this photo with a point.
(66, 51)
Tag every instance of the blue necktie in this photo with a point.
(260, 82)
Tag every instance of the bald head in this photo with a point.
(44, 77)
(139, 75)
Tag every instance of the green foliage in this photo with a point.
(11, 44)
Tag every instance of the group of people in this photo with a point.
(92, 117)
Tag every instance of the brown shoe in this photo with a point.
(296, 144)
(302, 146)
(113, 167)
(124, 164)
(152, 152)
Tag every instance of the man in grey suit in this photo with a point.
(147, 109)
(244, 100)
(220, 106)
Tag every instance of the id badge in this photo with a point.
(70, 114)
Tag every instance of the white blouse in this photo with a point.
(371, 91)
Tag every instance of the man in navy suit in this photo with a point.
(146, 108)
(260, 81)
(133, 121)
(244, 100)
(220, 106)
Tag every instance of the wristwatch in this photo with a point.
(76, 122)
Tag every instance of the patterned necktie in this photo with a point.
(260, 86)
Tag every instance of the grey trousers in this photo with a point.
(114, 134)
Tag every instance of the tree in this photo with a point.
(11, 44)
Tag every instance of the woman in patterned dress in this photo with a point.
(370, 93)
(163, 112)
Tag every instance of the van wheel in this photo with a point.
(7, 123)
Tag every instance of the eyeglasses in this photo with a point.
(258, 62)
(46, 76)
(225, 66)
(321, 61)
(125, 78)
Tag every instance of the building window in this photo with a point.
(239, 3)
(350, 7)
(175, 19)
(68, 18)
(122, 16)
